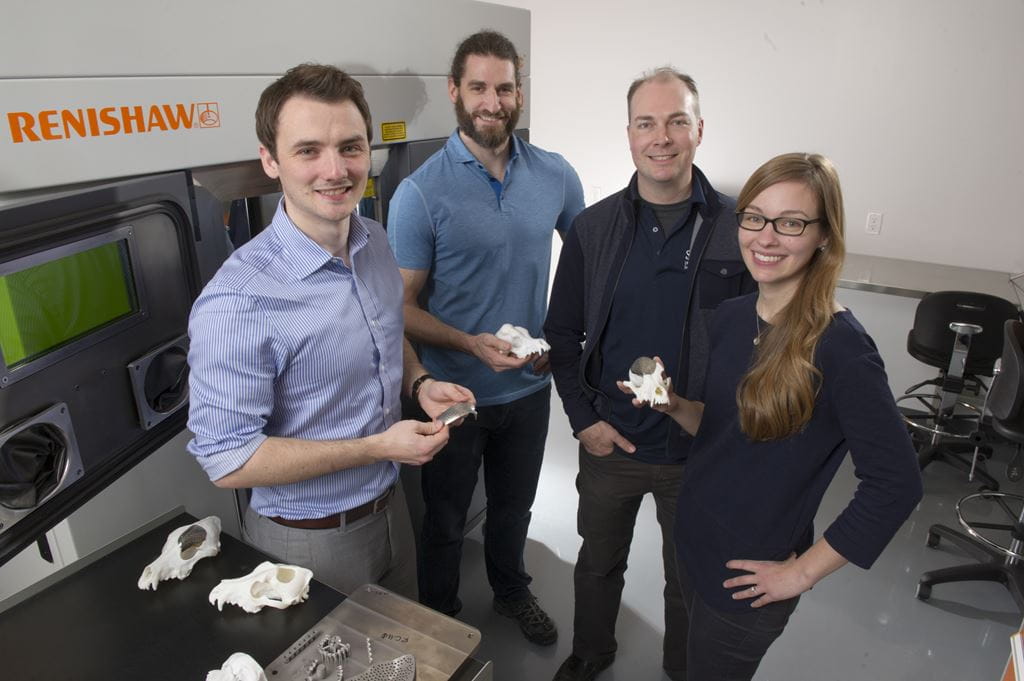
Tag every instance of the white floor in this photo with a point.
(856, 625)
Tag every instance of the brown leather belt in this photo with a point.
(350, 516)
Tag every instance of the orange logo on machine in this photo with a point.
(209, 114)
(58, 124)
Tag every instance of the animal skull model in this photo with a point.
(522, 344)
(238, 667)
(645, 378)
(277, 586)
(184, 547)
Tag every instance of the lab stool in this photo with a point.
(998, 562)
(941, 432)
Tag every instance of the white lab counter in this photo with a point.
(913, 279)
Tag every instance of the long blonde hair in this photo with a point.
(776, 396)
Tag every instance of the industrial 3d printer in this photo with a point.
(128, 171)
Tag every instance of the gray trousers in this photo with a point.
(377, 549)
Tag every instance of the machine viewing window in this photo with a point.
(51, 300)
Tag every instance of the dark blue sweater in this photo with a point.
(747, 500)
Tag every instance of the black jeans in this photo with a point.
(509, 440)
(611, 489)
(726, 645)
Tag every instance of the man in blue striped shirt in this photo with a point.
(298, 357)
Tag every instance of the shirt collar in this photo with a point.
(306, 256)
(462, 154)
(697, 196)
(696, 191)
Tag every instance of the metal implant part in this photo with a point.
(644, 366)
(190, 541)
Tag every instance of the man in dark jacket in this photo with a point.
(639, 275)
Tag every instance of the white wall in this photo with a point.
(919, 102)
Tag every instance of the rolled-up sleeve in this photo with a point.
(233, 359)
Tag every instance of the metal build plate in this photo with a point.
(395, 626)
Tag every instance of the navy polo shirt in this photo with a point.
(648, 317)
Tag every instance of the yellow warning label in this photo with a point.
(392, 131)
(371, 189)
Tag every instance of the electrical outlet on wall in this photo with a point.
(874, 223)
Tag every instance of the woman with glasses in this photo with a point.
(794, 382)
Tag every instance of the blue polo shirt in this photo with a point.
(487, 245)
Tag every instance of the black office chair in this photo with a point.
(999, 562)
(959, 333)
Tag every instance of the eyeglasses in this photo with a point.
(785, 226)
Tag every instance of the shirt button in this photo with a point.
(723, 271)
(655, 229)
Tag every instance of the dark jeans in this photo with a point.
(611, 489)
(509, 440)
(727, 645)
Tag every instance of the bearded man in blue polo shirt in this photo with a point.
(472, 229)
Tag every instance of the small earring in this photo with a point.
(821, 248)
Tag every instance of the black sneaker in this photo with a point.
(535, 624)
(575, 668)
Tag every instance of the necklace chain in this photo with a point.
(757, 326)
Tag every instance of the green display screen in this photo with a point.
(46, 306)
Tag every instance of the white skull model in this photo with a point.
(277, 586)
(184, 547)
(238, 667)
(645, 378)
(522, 344)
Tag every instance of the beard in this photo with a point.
(489, 138)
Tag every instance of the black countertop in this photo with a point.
(93, 622)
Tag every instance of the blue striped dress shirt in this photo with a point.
(287, 341)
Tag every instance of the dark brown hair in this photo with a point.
(321, 82)
(484, 43)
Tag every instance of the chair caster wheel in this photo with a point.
(924, 591)
(933, 540)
